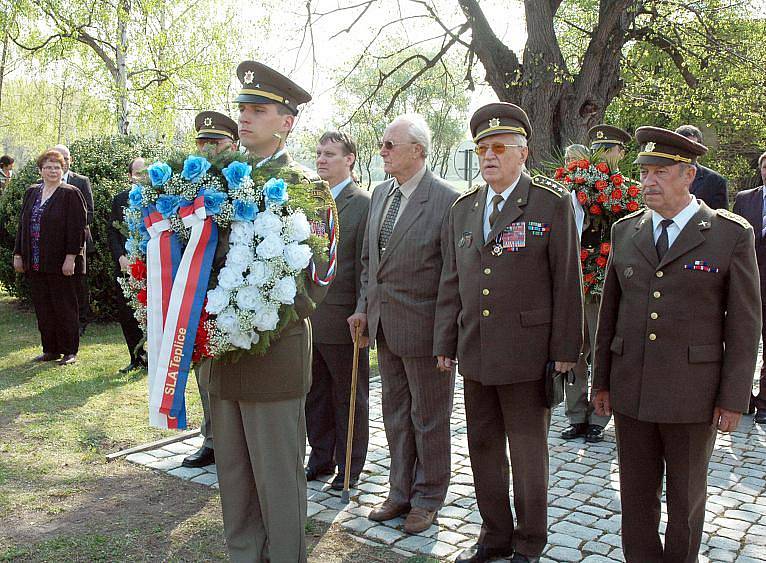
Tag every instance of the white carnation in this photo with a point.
(297, 256)
(266, 319)
(242, 232)
(284, 291)
(249, 298)
(217, 300)
(229, 277)
(240, 339)
(267, 223)
(260, 273)
(227, 321)
(270, 247)
(239, 257)
(255, 337)
(297, 227)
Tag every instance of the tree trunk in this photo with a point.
(3, 60)
(122, 69)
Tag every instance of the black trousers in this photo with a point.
(759, 401)
(83, 299)
(130, 329)
(327, 407)
(54, 297)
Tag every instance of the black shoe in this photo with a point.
(337, 483)
(313, 472)
(130, 367)
(202, 457)
(479, 554)
(67, 360)
(521, 558)
(760, 416)
(595, 433)
(574, 431)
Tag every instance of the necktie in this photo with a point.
(662, 240)
(496, 201)
(388, 223)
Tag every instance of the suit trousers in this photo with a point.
(131, 330)
(327, 406)
(759, 401)
(83, 297)
(516, 414)
(417, 404)
(260, 447)
(646, 451)
(202, 373)
(579, 409)
(54, 297)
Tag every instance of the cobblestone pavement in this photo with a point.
(583, 502)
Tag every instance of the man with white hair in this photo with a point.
(401, 265)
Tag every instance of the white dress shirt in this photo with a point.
(488, 205)
(335, 190)
(679, 221)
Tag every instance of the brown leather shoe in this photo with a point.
(419, 520)
(388, 511)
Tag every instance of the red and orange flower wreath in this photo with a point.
(606, 196)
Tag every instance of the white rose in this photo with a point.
(297, 227)
(239, 257)
(260, 273)
(242, 232)
(240, 339)
(267, 223)
(270, 247)
(229, 277)
(249, 298)
(284, 291)
(217, 300)
(297, 256)
(227, 321)
(266, 319)
(255, 337)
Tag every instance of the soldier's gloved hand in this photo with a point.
(445, 364)
(726, 420)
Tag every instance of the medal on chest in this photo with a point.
(511, 239)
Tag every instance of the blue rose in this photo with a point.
(213, 201)
(275, 191)
(159, 173)
(235, 173)
(195, 168)
(130, 245)
(144, 232)
(142, 245)
(133, 223)
(244, 211)
(135, 197)
(168, 204)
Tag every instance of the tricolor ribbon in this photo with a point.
(183, 313)
(332, 251)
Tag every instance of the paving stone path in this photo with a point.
(583, 498)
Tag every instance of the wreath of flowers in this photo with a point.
(606, 196)
(271, 241)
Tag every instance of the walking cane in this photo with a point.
(351, 410)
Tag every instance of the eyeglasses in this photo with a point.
(388, 145)
(497, 148)
(51, 168)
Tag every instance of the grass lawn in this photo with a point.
(61, 501)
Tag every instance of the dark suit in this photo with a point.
(749, 204)
(130, 329)
(327, 403)
(82, 183)
(673, 342)
(398, 293)
(710, 187)
(504, 315)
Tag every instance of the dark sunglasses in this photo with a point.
(388, 145)
(497, 148)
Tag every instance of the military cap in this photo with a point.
(607, 135)
(498, 118)
(662, 147)
(214, 125)
(264, 85)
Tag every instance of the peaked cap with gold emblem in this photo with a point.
(214, 125)
(662, 147)
(264, 85)
(498, 118)
(607, 135)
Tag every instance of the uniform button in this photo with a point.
(660, 274)
(652, 336)
(656, 294)
(485, 312)
(654, 316)
(487, 271)
(485, 291)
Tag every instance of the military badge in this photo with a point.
(649, 147)
(514, 237)
(701, 266)
(248, 77)
(497, 250)
(628, 273)
(494, 122)
(208, 122)
(599, 134)
(466, 239)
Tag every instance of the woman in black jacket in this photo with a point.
(49, 246)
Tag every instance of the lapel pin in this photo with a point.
(703, 224)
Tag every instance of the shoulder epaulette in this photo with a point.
(633, 214)
(726, 214)
(550, 185)
(464, 195)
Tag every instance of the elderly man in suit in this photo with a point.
(327, 403)
(401, 263)
(751, 204)
(708, 186)
(676, 346)
(510, 301)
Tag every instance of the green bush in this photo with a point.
(105, 161)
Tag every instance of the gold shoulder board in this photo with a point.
(550, 185)
(726, 214)
(464, 195)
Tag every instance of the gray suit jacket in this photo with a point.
(399, 290)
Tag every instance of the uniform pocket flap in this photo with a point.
(616, 345)
(705, 353)
(535, 317)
